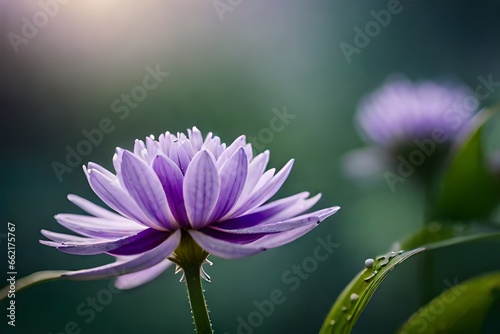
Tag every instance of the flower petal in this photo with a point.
(196, 138)
(60, 237)
(153, 149)
(201, 189)
(112, 193)
(280, 239)
(255, 170)
(117, 160)
(266, 191)
(133, 280)
(134, 244)
(148, 240)
(228, 152)
(145, 188)
(223, 248)
(273, 210)
(232, 178)
(171, 179)
(187, 145)
(299, 207)
(144, 261)
(285, 225)
(97, 227)
(104, 171)
(165, 141)
(179, 155)
(94, 209)
(264, 179)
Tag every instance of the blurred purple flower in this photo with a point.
(401, 111)
(182, 185)
(401, 117)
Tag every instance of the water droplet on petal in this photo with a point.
(354, 297)
(369, 262)
(332, 322)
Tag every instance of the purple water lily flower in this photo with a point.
(180, 186)
(401, 111)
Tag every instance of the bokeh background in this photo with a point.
(226, 76)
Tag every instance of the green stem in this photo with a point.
(190, 258)
(197, 300)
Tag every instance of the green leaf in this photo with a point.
(351, 302)
(461, 309)
(435, 232)
(356, 295)
(468, 189)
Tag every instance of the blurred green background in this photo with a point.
(225, 76)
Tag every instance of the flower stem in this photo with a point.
(190, 257)
(197, 300)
